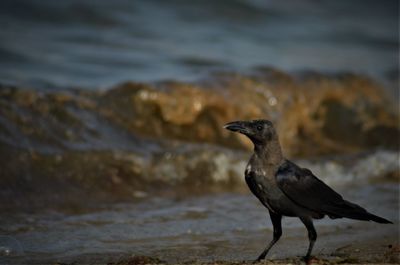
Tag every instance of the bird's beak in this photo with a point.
(237, 126)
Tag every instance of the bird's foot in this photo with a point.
(310, 260)
(259, 259)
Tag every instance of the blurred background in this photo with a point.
(111, 115)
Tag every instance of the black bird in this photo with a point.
(289, 190)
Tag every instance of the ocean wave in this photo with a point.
(314, 114)
(135, 139)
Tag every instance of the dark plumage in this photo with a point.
(287, 189)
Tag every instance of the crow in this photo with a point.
(286, 189)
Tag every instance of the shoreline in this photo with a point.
(354, 243)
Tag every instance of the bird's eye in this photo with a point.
(259, 127)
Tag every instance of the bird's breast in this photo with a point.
(265, 188)
(261, 176)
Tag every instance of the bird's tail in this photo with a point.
(354, 211)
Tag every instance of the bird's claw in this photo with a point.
(259, 259)
(309, 259)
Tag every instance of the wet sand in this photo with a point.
(228, 228)
(335, 250)
(361, 244)
(357, 244)
(347, 242)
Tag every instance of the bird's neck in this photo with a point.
(270, 152)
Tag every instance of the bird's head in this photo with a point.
(260, 132)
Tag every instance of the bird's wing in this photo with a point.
(306, 190)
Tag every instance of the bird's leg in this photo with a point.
(312, 236)
(276, 222)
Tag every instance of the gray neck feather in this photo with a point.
(270, 152)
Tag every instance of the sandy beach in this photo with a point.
(202, 237)
(354, 245)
